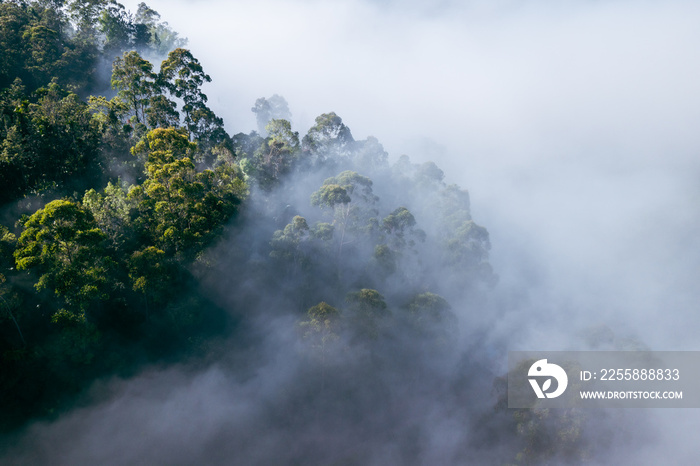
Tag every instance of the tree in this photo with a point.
(152, 274)
(398, 234)
(65, 138)
(135, 80)
(329, 141)
(111, 117)
(46, 143)
(15, 20)
(183, 75)
(302, 253)
(349, 196)
(431, 316)
(85, 14)
(112, 211)
(367, 312)
(182, 210)
(370, 155)
(64, 246)
(466, 244)
(286, 244)
(322, 328)
(162, 113)
(149, 31)
(144, 21)
(266, 110)
(9, 303)
(116, 26)
(397, 225)
(276, 156)
(44, 50)
(208, 130)
(544, 435)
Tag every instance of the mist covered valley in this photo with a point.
(285, 286)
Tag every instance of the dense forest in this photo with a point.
(136, 231)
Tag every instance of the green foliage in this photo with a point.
(329, 141)
(113, 275)
(370, 155)
(462, 245)
(183, 75)
(386, 259)
(135, 80)
(150, 31)
(112, 211)
(114, 22)
(42, 40)
(276, 156)
(62, 244)
(9, 300)
(162, 113)
(85, 14)
(76, 344)
(182, 210)
(431, 316)
(466, 244)
(7, 246)
(331, 195)
(350, 198)
(37, 46)
(151, 273)
(398, 225)
(368, 313)
(46, 142)
(118, 276)
(285, 243)
(266, 110)
(321, 330)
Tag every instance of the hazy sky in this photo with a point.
(573, 124)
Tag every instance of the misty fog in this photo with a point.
(573, 125)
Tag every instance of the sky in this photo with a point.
(573, 125)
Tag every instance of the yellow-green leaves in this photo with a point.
(181, 210)
(63, 245)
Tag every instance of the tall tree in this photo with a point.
(135, 80)
(321, 329)
(329, 141)
(162, 113)
(115, 23)
(266, 110)
(349, 196)
(183, 75)
(85, 14)
(276, 156)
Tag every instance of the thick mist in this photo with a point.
(574, 128)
